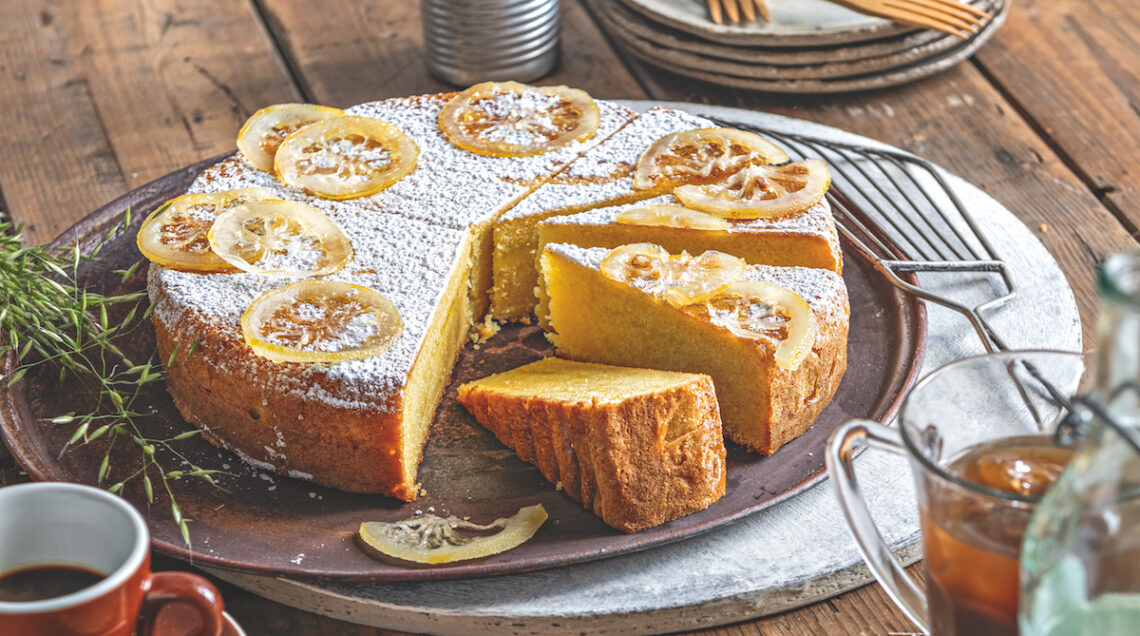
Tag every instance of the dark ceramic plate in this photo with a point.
(267, 524)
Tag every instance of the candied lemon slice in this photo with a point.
(671, 216)
(264, 131)
(702, 155)
(695, 279)
(279, 237)
(643, 265)
(346, 157)
(754, 309)
(758, 191)
(320, 321)
(508, 119)
(433, 539)
(175, 234)
(678, 279)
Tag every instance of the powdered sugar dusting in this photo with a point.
(413, 279)
(452, 187)
(525, 114)
(606, 171)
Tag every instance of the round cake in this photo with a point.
(440, 242)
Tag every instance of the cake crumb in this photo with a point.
(482, 331)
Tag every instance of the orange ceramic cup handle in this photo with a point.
(182, 587)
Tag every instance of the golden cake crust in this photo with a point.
(636, 462)
(247, 411)
(597, 319)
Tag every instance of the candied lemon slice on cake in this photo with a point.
(346, 157)
(175, 235)
(761, 192)
(754, 309)
(279, 237)
(643, 265)
(508, 119)
(679, 279)
(433, 539)
(702, 155)
(320, 321)
(264, 131)
(696, 279)
(671, 216)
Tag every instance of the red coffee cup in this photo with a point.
(51, 530)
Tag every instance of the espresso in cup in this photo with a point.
(41, 582)
(75, 561)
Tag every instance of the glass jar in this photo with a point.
(1080, 560)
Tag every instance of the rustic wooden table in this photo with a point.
(102, 96)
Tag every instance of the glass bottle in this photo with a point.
(1080, 563)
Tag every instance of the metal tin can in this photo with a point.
(472, 41)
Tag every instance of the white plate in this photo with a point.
(655, 51)
(615, 13)
(794, 23)
(793, 554)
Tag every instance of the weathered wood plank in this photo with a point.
(106, 95)
(57, 160)
(352, 52)
(958, 120)
(1071, 66)
(862, 612)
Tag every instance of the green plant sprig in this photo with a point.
(50, 319)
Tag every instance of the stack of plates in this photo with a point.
(810, 46)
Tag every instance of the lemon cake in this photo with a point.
(775, 358)
(638, 447)
(309, 317)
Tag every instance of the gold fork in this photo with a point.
(948, 16)
(734, 8)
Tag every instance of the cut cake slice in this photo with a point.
(763, 406)
(603, 176)
(638, 447)
(357, 425)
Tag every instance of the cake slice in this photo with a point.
(766, 400)
(603, 176)
(806, 239)
(636, 446)
(356, 425)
